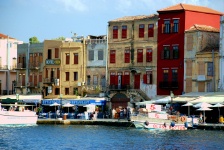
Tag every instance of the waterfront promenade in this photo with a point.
(116, 122)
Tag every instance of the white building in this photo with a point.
(8, 62)
(221, 50)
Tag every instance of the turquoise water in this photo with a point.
(94, 137)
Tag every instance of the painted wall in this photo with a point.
(170, 39)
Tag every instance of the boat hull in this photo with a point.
(16, 117)
(162, 126)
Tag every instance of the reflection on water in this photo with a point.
(70, 137)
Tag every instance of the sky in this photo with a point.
(50, 19)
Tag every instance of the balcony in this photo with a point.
(34, 65)
(20, 66)
(119, 87)
(168, 85)
(49, 80)
(20, 84)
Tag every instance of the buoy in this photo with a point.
(172, 124)
(183, 119)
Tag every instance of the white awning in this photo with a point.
(25, 98)
(209, 99)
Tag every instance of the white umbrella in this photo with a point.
(188, 104)
(204, 109)
(218, 105)
(68, 105)
(55, 104)
(202, 104)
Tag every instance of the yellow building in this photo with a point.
(64, 69)
(132, 56)
(201, 59)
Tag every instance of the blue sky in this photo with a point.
(48, 19)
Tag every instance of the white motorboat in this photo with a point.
(18, 116)
(152, 117)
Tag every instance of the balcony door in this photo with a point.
(137, 81)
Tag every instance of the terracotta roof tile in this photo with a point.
(197, 27)
(189, 7)
(131, 18)
(3, 36)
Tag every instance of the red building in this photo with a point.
(173, 21)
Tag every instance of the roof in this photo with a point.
(188, 7)
(3, 36)
(197, 27)
(132, 18)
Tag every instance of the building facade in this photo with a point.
(221, 51)
(64, 68)
(201, 59)
(29, 68)
(8, 63)
(96, 58)
(132, 57)
(172, 24)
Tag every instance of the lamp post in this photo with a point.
(171, 101)
(61, 105)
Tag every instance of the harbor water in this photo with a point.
(96, 137)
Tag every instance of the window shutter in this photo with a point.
(145, 78)
(163, 28)
(150, 77)
(116, 80)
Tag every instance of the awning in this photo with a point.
(209, 99)
(144, 103)
(183, 99)
(25, 98)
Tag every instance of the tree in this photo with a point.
(60, 38)
(34, 40)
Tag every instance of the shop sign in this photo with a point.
(53, 61)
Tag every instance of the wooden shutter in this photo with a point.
(112, 56)
(76, 58)
(148, 55)
(127, 56)
(171, 54)
(40, 77)
(163, 28)
(145, 78)
(162, 54)
(56, 53)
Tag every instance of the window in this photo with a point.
(75, 76)
(166, 26)
(76, 58)
(58, 73)
(166, 52)
(150, 30)
(67, 58)
(100, 55)
(112, 56)
(175, 25)
(91, 55)
(126, 78)
(141, 30)
(175, 52)
(124, 32)
(46, 73)
(56, 53)
(88, 80)
(115, 32)
(147, 78)
(49, 54)
(165, 74)
(174, 75)
(103, 81)
(66, 91)
(40, 77)
(127, 56)
(210, 68)
(149, 55)
(113, 78)
(40, 57)
(95, 80)
(140, 55)
(66, 76)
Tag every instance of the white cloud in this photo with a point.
(73, 5)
